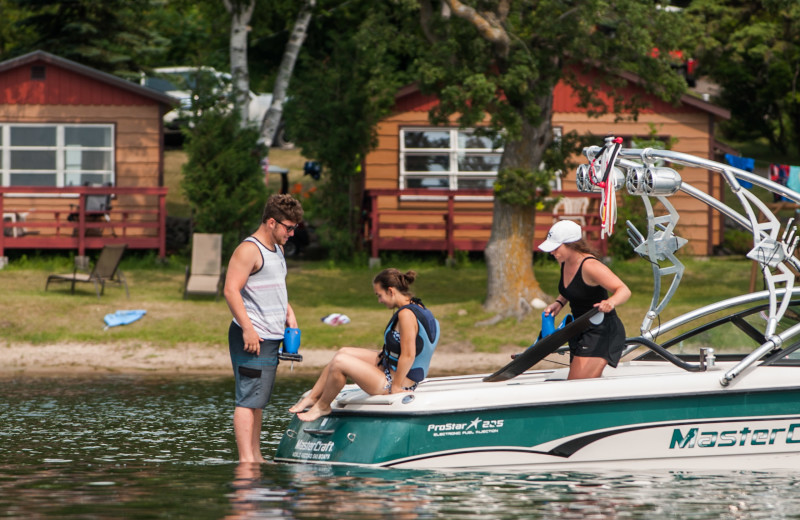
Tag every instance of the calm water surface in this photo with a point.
(158, 447)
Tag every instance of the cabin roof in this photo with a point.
(410, 98)
(97, 75)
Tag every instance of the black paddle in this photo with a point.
(541, 349)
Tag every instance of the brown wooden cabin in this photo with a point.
(429, 188)
(81, 158)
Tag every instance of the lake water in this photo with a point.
(162, 447)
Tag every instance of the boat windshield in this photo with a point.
(735, 335)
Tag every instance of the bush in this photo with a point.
(223, 179)
(738, 241)
(629, 207)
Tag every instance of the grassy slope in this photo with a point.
(29, 314)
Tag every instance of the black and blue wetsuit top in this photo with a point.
(427, 338)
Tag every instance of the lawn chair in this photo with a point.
(571, 208)
(106, 270)
(96, 208)
(206, 274)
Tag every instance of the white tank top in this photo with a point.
(264, 294)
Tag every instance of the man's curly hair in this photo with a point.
(283, 207)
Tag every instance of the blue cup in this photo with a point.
(291, 340)
(548, 325)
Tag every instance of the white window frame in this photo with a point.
(452, 172)
(61, 149)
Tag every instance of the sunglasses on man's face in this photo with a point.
(289, 228)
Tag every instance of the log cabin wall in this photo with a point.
(43, 90)
(689, 125)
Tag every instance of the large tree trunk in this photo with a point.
(272, 119)
(509, 253)
(241, 11)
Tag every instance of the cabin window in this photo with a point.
(38, 72)
(56, 155)
(447, 158)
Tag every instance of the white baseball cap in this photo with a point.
(562, 232)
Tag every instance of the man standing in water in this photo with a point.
(255, 289)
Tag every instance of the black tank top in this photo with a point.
(581, 296)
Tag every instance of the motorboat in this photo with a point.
(678, 400)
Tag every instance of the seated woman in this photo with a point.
(409, 341)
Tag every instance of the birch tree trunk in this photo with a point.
(241, 12)
(272, 119)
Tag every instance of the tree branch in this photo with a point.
(488, 24)
(503, 7)
(425, 18)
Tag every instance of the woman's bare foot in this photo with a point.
(303, 404)
(314, 413)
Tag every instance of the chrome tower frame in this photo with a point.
(773, 250)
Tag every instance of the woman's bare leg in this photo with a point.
(586, 367)
(369, 356)
(366, 374)
(308, 400)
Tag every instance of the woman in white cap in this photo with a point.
(585, 283)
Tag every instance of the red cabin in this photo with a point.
(429, 188)
(81, 158)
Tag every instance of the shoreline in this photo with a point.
(212, 360)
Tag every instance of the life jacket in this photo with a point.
(426, 341)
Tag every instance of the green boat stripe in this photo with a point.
(626, 399)
(570, 447)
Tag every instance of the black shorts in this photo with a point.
(254, 374)
(606, 341)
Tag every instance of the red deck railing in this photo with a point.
(65, 223)
(451, 219)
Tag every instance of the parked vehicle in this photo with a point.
(186, 83)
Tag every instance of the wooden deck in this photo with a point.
(57, 218)
(446, 220)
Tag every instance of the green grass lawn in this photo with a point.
(28, 314)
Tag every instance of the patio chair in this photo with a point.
(106, 270)
(571, 208)
(206, 274)
(96, 209)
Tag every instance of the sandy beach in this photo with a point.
(196, 359)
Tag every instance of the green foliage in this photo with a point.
(522, 188)
(738, 241)
(548, 41)
(629, 208)
(344, 83)
(113, 35)
(751, 49)
(223, 179)
(194, 31)
(12, 34)
(530, 189)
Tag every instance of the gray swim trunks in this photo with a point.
(255, 375)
